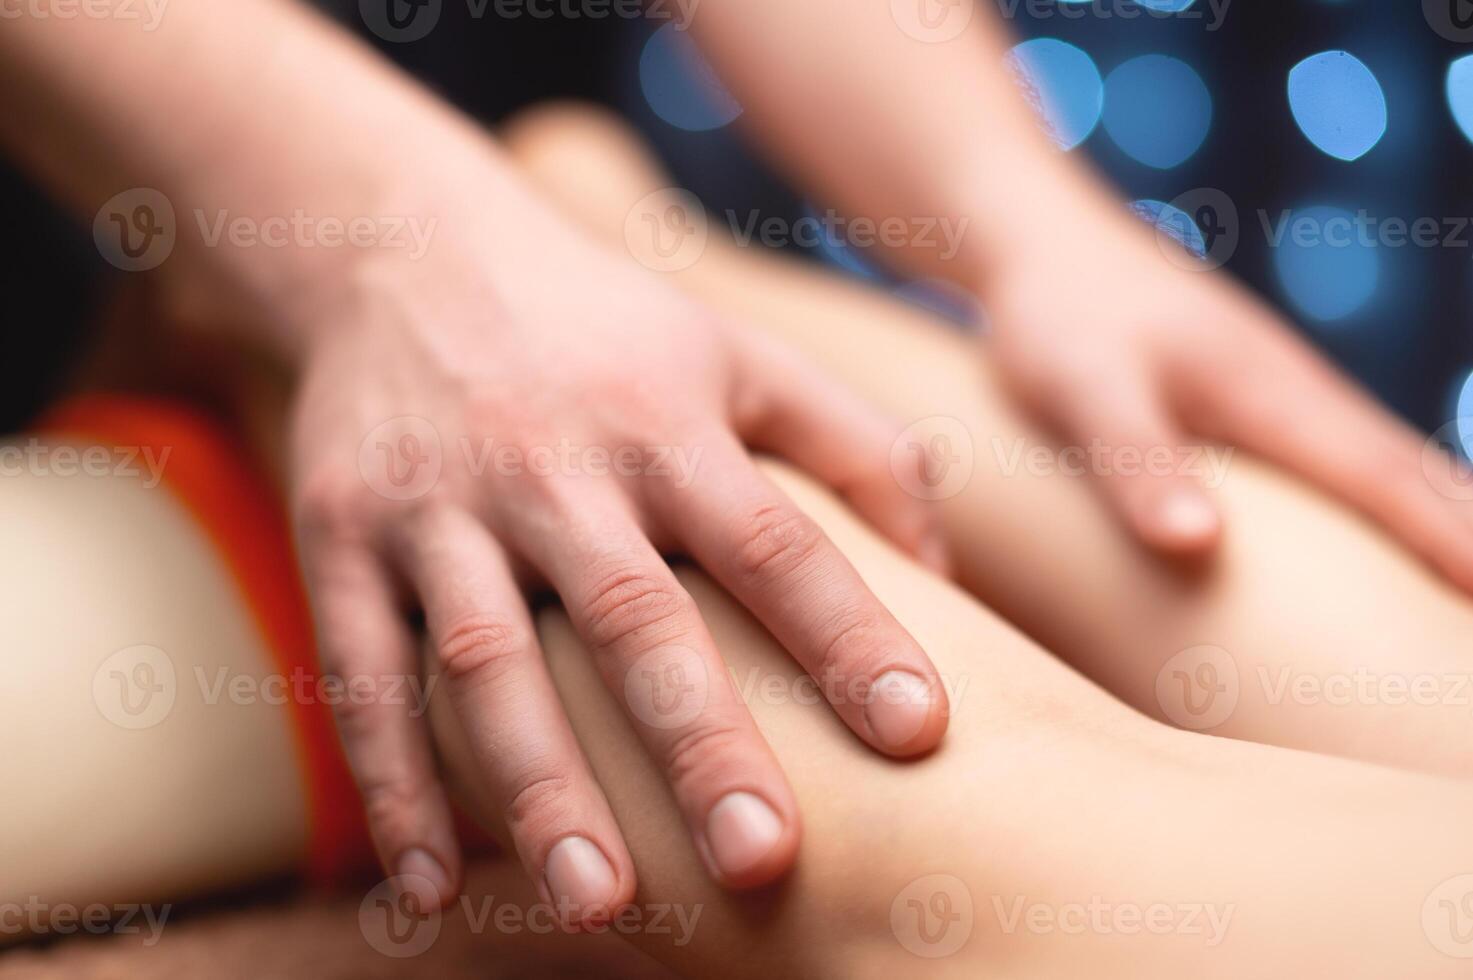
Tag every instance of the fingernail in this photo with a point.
(422, 878)
(578, 875)
(741, 830)
(1187, 515)
(900, 703)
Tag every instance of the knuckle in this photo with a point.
(537, 802)
(328, 504)
(848, 644)
(702, 751)
(356, 717)
(390, 806)
(631, 600)
(479, 645)
(774, 541)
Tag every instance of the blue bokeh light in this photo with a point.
(1172, 221)
(680, 85)
(1326, 265)
(1338, 104)
(1464, 415)
(1064, 86)
(1460, 93)
(1157, 109)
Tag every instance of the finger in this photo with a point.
(775, 560)
(798, 412)
(656, 656)
(519, 734)
(1304, 415)
(366, 642)
(1125, 430)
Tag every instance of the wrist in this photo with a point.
(292, 265)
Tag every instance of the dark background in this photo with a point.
(1409, 343)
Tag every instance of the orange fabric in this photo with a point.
(210, 472)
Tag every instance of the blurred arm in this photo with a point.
(894, 122)
(254, 108)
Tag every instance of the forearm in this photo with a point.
(890, 126)
(255, 110)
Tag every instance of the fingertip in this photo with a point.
(584, 885)
(907, 714)
(424, 879)
(1183, 521)
(747, 842)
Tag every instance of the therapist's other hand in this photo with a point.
(491, 418)
(1118, 339)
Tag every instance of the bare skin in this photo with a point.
(1341, 642)
(1063, 816)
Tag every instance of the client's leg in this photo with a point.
(134, 770)
(1310, 630)
(1056, 833)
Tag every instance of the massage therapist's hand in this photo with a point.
(1113, 334)
(501, 415)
